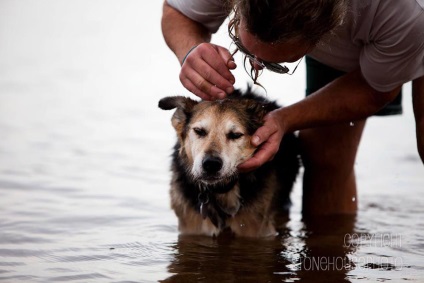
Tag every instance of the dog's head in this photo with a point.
(214, 136)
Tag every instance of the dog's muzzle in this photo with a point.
(211, 165)
(213, 172)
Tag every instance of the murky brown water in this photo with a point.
(84, 158)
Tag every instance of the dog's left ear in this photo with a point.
(258, 109)
(184, 107)
(256, 112)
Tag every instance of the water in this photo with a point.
(84, 158)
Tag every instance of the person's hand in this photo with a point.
(268, 137)
(206, 72)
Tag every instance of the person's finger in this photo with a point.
(210, 74)
(262, 134)
(204, 68)
(249, 165)
(193, 89)
(228, 59)
(264, 154)
(201, 86)
(268, 138)
(220, 65)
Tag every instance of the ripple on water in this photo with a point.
(84, 169)
(86, 276)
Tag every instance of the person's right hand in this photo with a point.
(206, 72)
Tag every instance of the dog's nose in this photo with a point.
(212, 164)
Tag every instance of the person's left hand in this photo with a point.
(268, 137)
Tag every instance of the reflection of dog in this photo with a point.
(208, 194)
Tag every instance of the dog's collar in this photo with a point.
(208, 207)
(219, 188)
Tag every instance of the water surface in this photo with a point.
(84, 166)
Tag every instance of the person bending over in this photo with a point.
(359, 54)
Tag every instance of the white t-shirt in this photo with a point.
(384, 38)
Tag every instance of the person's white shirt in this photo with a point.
(384, 38)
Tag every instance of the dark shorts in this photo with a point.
(318, 75)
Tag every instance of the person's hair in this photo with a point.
(276, 21)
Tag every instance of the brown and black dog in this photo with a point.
(208, 194)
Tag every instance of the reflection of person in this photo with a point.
(360, 52)
(318, 252)
(203, 259)
(327, 249)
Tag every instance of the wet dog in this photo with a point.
(208, 194)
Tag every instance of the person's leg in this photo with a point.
(329, 185)
(418, 103)
(328, 155)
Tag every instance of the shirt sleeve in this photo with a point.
(395, 53)
(210, 13)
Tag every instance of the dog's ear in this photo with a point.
(256, 112)
(184, 107)
(258, 109)
(181, 102)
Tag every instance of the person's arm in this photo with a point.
(205, 71)
(347, 99)
(180, 32)
(418, 103)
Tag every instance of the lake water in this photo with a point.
(84, 165)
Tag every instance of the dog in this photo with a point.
(208, 194)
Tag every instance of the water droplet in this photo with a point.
(353, 199)
(242, 225)
(351, 124)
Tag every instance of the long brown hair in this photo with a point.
(279, 21)
(276, 21)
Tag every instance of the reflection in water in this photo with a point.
(326, 253)
(316, 252)
(84, 166)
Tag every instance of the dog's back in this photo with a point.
(207, 193)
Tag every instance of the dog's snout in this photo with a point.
(212, 164)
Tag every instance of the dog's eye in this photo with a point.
(200, 132)
(234, 136)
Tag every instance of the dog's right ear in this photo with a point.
(184, 107)
(179, 102)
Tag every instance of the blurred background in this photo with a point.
(85, 154)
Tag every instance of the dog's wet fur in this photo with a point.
(208, 194)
